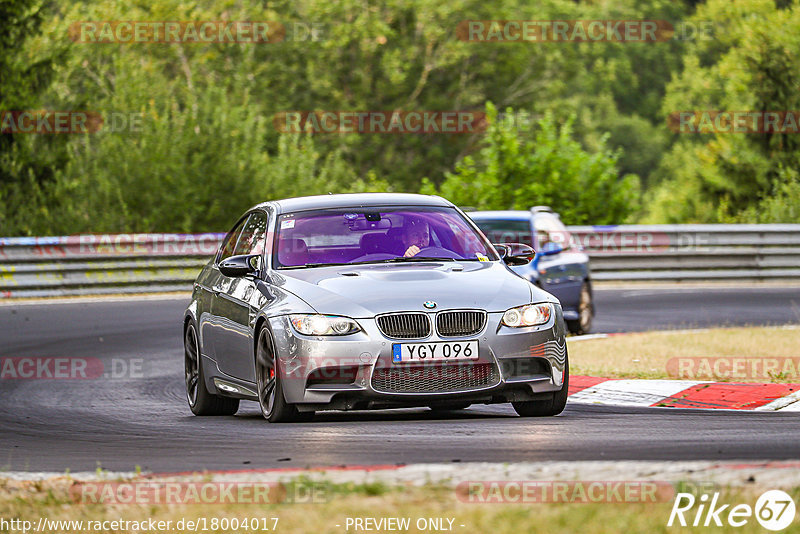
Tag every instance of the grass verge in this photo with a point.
(757, 354)
(52, 500)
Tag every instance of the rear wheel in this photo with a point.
(271, 399)
(201, 401)
(543, 408)
(583, 324)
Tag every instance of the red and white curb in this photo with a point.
(685, 394)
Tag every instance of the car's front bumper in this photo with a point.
(349, 372)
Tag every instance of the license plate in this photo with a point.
(438, 351)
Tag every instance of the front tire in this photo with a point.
(271, 398)
(201, 401)
(548, 407)
(583, 325)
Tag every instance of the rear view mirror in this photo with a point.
(515, 253)
(360, 222)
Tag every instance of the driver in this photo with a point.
(416, 236)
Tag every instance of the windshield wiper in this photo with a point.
(402, 259)
(313, 265)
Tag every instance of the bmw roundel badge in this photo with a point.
(429, 304)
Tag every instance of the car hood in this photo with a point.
(362, 291)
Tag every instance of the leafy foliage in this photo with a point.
(751, 64)
(542, 164)
(207, 147)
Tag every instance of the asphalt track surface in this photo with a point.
(143, 420)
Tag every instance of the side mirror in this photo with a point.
(551, 249)
(515, 253)
(238, 266)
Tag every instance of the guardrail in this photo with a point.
(691, 252)
(126, 263)
(101, 264)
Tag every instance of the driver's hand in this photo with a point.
(413, 250)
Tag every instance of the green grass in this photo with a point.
(660, 354)
(31, 500)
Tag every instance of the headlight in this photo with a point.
(529, 315)
(323, 325)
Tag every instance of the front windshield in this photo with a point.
(376, 235)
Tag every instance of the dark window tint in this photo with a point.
(355, 235)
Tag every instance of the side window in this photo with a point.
(506, 231)
(254, 235)
(229, 244)
(551, 230)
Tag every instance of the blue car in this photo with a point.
(560, 266)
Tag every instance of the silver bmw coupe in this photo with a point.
(369, 301)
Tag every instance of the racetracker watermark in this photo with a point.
(349, 370)
(69, 368)
(608, 240)
(50, 122)
(207, 31)
(155, 244)
(733, 368)
(740, 122)
(383, 122)
(195, 524)
(614, 239)
(186, 493)
(561, 31)
(110, 245)
(572, 491)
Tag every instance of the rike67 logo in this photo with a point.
(774, 510)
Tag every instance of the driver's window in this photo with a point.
(253, 236)
(229, 244)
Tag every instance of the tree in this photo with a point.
(751, 64)
(390, 55)
(521, 165)
(27, 163)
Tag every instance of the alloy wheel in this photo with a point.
(191, 364)
(265, 373)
